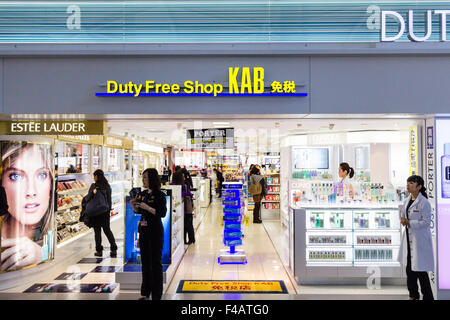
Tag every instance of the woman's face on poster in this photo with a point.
(27, 183)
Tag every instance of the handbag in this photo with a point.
(188, 206)
(97, 205)
(255, 189)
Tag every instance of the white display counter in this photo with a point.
(345, 245)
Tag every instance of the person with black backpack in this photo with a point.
(97, 207)
(257, 189)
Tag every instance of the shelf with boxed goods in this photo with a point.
(272, 160)
(346, 238)
(70, 191)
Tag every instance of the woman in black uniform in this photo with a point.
(151, 204)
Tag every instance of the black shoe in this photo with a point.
(98, 254)
(113, 254)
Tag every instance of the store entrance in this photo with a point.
(300, 161)
(312, 224)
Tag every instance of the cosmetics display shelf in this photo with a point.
(359, 236)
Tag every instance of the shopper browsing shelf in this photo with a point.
(98, 191)
(186, 195)
(27, 183)
(418, 252)
(257, 189)
(151, 204)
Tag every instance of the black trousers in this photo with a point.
(105, 225)
(257, 212)
(151, 242)
(219, 189)
(189, 228)
(411, 279)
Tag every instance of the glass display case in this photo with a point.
(96, 157)
(113, 159)
(343, 242)
(352, 236)
(132, 254)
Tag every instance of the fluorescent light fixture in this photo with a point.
(221, 123)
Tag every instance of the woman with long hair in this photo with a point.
(151, 205)
(27, 225)
(101, 221)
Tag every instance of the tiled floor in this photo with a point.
(200, 260)
(263, 244)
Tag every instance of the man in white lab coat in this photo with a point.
(416, 250)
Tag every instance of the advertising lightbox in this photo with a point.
(27, 185)
(443, 201)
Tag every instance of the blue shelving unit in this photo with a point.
(233, 211)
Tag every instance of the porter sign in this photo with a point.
(39, 127)
(411, 35)
(210, 138)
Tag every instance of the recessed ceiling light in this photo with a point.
(364, 124)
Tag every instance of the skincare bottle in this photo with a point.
(445, 168)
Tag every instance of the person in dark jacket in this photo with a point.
(3, 202)
(178, 179)
(257, 178)
(101, 221)
(187, 178)
(151, 205)
(220, 180)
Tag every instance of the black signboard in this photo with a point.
(217, 138)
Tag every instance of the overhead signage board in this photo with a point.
(116, 142)
(217, 138)
(53, 127)
(97, 140)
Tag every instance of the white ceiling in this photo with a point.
(173, 131)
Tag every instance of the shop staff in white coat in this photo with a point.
(416, 217)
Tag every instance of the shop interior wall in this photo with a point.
(64, 84)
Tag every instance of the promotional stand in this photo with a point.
(233, 212)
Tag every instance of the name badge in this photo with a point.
(143, 223)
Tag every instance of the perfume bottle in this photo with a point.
(445, 169)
